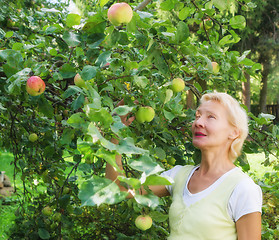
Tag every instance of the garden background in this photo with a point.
(63, 170)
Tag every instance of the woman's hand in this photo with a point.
(124, 119)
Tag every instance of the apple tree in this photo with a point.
(98, 67)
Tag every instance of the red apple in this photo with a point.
(79, 81)
(215, 67)
(120, 13)
(177, 85)
(143, 222)
(35, 86)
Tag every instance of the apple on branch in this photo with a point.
(206, 24)
(145, 114)
(177, 85)
(79, 81)
(215, 67)
(120, 13)
(33, 137)
(143, 222)
(47, 211)
(35, 86)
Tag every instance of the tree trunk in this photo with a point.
(264, 60)
(246, 92)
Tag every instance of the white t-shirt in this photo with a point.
(246, 197)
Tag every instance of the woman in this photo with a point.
(214, 200)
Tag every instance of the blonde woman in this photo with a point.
(214, 200)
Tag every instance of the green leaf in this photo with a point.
(128, 147)
(17, 80)
(238, 22)
(149, 200)
(100, 116)
(76, 120)
(43, 233)
(182, 32)
(157, 180)
(9, 34)
(103, 59)
(67, 71)
(109, 157)
(45, 107)
(97, 190)
(169, 115)
(71, 90)
(161, 154)
(122, 110)
(184, 13)
(158, 216)
(73, 19)
(159, 62)
(222, 4)
(78, 102)
(72, 39)
(167, 5)
(133, 182)
(67, 136)
(103, 2)
(169, 94)
(88, 72)
(140, 81)
(145, 164)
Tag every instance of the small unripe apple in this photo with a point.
(47, 211)
(206, 24)
(149, 114)
(215, 67)
(145, 114)
(33, 137)
(79, 81)
(143, 222)
(120, 13)
(57, 217)
(35, 86)
(177, 85)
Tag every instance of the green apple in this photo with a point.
(33, 137)
(143, 222)
(47, 211)
(35, 86)
(120, 13)
(177, 85)
(215, 67)
(57, 217)
(79, 81)
(206, 24)
(149, 114)
(145, 114)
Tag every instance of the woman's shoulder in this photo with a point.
(174, 171)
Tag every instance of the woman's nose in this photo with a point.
(199, 122)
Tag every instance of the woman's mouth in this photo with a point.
(199, 134)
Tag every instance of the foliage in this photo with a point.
(64, 168)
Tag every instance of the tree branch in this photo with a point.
(142, 5)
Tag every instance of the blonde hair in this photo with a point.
(237, 117)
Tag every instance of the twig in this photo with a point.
(142, 5)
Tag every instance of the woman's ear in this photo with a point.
(234, 133)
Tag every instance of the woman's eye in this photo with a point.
(211, 116)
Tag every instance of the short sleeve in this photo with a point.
(246, 198)
(171, 173)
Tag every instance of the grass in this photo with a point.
(256, 167)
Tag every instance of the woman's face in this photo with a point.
(211, 127)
